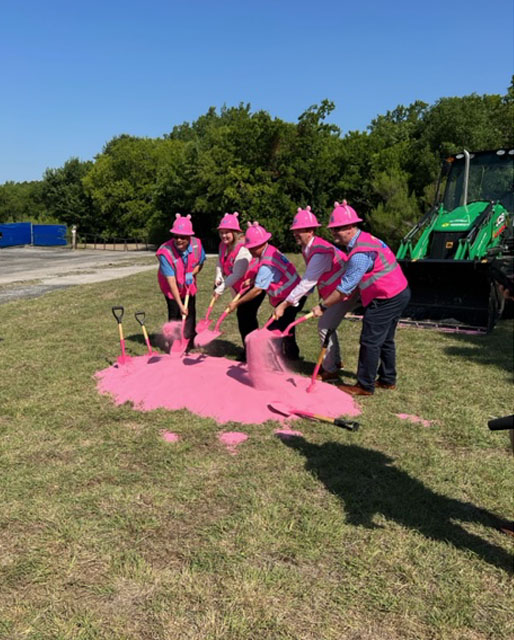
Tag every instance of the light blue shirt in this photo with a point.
(167, 269)
(266, 276)
(359, 264)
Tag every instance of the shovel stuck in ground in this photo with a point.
(140, 317)
(286, 410)
(118, 312)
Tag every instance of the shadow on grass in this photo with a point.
(368, 484)
(493, 349)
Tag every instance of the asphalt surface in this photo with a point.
(30, 272)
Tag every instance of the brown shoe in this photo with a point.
(327, 376)
(354, 389)
(383, 385)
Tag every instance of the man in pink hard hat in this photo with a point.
(236, 270)
(180, 260)
(325, 265)
(373, 270)
(277, 276)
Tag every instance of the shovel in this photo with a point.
(118, 314)
(207, 337)
(140, 317)
(204, 323)
(286, 410)
(283, 334)
(180, 344)
(320, 360)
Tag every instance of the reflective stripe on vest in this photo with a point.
(386, 279)
(289, 278)
(227, 261)
(174, 257)
(328, 280)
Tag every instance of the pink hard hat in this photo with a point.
(182, 226)
(342, 215)
(256, 235)
(304, 219)
(230, 222)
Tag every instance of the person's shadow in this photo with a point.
(367, 483)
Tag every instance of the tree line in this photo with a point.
(236, 159)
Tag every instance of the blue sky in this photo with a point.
(75, 74)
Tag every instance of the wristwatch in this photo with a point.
(322, 306)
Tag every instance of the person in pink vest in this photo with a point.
(373, 270)
(325, 267)
(277, 276)
(180, 260)
(236, 269)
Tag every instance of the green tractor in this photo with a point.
(451, 256)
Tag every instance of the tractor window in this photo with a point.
(491, 177)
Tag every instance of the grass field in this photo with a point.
(108, 532)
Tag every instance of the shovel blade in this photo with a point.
(206, 337)
(203, 325)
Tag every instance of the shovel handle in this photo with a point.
(351, 425)
(186, 302)
(308, 316)
(118, 312)
(236, 298)
(140, 317)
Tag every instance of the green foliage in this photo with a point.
(20, 202)
(63, 195)
(263, 167)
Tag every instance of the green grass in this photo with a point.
(108, 532)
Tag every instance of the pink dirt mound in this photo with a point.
(169, 436)
(231, 439)
(217, 388)
(415, 419)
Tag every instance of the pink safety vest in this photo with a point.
(227, 261)
(174, 257)
(329, 279)
(386, 279)
(289, 278)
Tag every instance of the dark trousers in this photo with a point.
(190, 326)
(290, 349)
(247, 317)
(377, 349)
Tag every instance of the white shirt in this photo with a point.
(240, 268)
(317, 265)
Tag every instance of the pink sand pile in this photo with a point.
(169, 436)
(216, 388)
(415, 419)
(231, 439)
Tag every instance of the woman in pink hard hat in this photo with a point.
(373, 270)
(236, 270)
(276, 276)
(325, 265)
(180, 260)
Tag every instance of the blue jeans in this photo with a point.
(377, 349)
